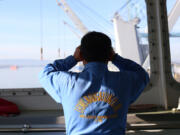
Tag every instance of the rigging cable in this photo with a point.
(64, 38)
(125, 5)
(88, 18)
(98, 16)
(96, 13)
(41, 31)
(91, 18)
(58, 33)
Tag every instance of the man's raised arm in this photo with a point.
(140, 77)
(129, 65)
(54, 76)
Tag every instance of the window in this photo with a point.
(32, 35)
(35, 33)
(174, 29)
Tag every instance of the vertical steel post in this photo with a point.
(159, 45)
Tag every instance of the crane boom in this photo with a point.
(174, 15)
(72, 16)
(71, 28)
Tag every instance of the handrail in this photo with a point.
(142, 126)
(32, 129)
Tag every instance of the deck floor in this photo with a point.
(149, 123)
(132, 132)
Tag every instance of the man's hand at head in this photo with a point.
(77, 54)
(112, 55)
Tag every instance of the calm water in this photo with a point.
(26, 77)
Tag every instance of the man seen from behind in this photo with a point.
(96, 100)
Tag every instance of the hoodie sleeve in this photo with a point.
(54, 77)
(139, 77)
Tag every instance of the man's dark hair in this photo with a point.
(96, 46)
